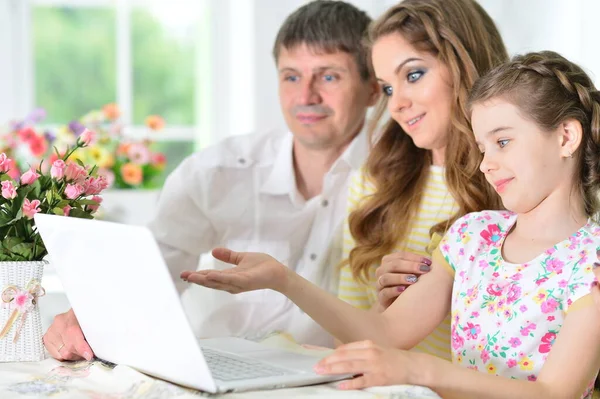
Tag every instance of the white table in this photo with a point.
(95, 380)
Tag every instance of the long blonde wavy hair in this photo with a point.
(465, 39)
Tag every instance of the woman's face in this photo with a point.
(418, 89)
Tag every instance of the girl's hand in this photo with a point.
(253, 271)
(371, 364)
(398, 271)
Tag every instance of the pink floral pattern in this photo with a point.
(506, 316)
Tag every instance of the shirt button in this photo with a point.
(324, 203)
(313, 256)
(241, 160)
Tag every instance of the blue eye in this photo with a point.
(329, 78)
(414, 76)
(387, 90)
(503, 143)
(291, 78)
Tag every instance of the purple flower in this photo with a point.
(76, 127)
(49, 135)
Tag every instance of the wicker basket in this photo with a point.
(28, 346)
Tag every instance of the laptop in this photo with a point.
(130, 312)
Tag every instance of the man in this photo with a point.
(280, 193)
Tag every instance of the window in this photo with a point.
(140, 54)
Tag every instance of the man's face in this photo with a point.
(322, 96)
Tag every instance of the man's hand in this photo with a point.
(398, 271)
(253, 271)
(64, 339)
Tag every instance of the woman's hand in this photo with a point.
(253, 271)
(398, 271)
(372, 365)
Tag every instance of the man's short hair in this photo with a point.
(327, 26)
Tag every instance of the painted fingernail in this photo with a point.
(594, 284)
(425, 268)
(401, 288)
(426, 261)
(411, 279)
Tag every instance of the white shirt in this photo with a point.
(242, 194)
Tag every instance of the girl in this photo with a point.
(517, 281)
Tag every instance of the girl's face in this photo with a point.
(418, 89)
(526, 166)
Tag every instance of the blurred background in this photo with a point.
(203, 67)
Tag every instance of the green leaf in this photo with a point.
(58, 211)
(503, 354)
(87, 202)
(78, 213)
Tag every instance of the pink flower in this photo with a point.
(531, 378)
(94, 208)
(29, 177)
(73, 191)
(108, 175)
(58, 169)
(525, 331)
(139, 154)
(13, 169)
(22, 300)
(492, 234)
(514, 342)
(38, 146)
(523, 308)
(562, 283)
(548, 340)
(457, 341)
(88, 137)
(8, 189)
(549, 305)
(550, 318)
(513, 294)
(5, 163)
(494, 290)
(485, 356)
(472, 330)
(555, 265)
(95, 185)
(67, 210)
(30, 208)
(541, 281)
(511, 363)
(75, 172)
(159, 160)
(27, 134)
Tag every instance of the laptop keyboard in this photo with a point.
(227, 367)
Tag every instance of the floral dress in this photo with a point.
(506, 316)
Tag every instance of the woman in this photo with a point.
(422, 173)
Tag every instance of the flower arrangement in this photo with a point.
(124, 162)
(68, 189)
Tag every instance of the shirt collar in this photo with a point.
(282, 179)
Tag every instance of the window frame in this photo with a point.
(22, 66)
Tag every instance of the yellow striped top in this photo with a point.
(437, 205)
